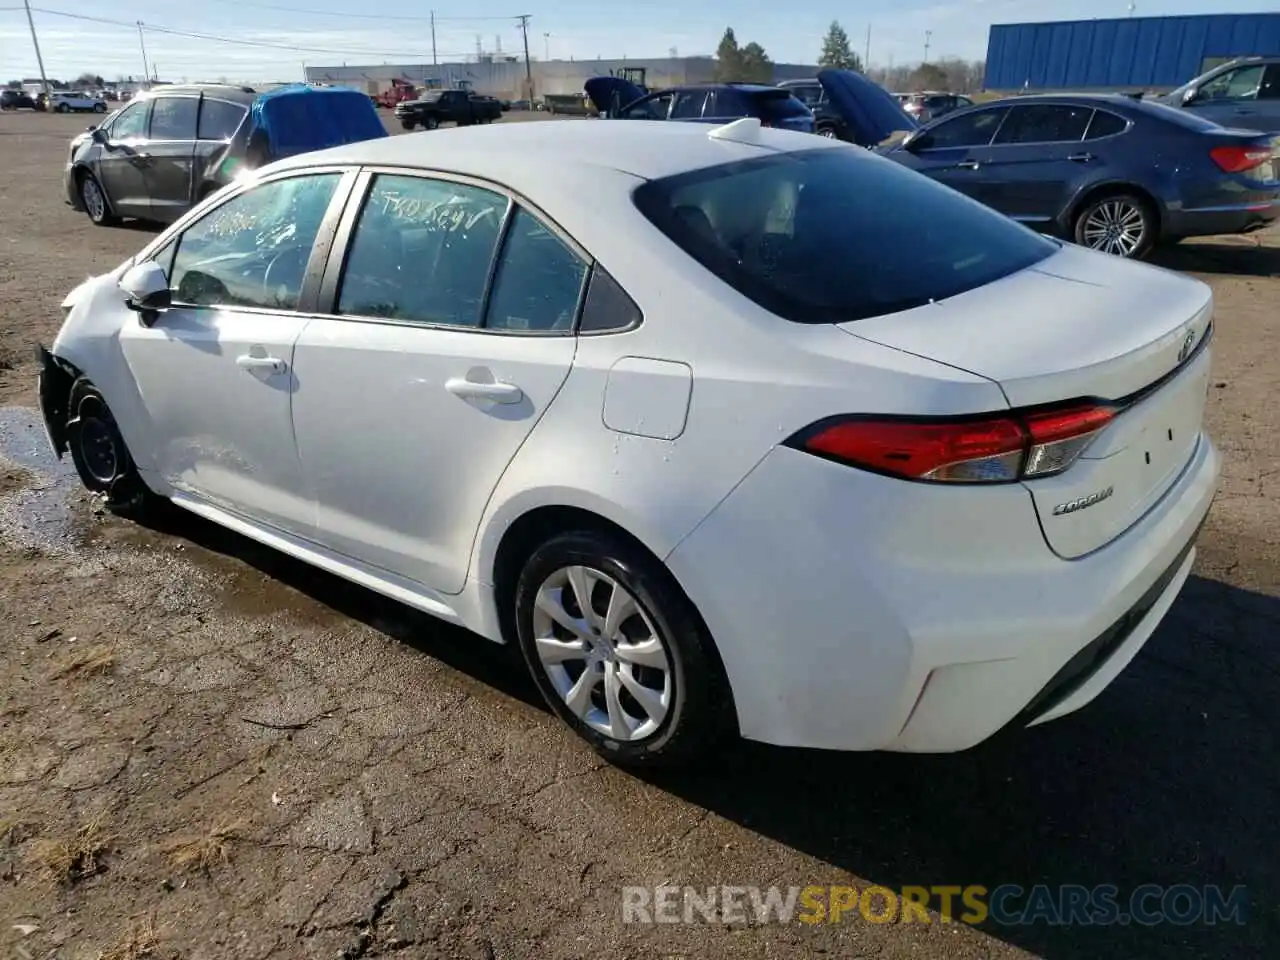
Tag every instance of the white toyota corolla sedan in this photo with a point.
(732, 430)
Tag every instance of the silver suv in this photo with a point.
(1242, 93)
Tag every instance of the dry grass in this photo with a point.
(139, 941)
(13, 829)
(68, 859)
(87, 662)
(203, 853)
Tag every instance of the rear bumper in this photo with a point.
(1226, 219)
(856, 612)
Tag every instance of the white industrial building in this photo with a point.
(505, 77)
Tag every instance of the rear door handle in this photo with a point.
(1081, 158)
(968, 165)
(249, 362)
(497, 392)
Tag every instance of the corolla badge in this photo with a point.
(1188, 342)
(1080, 503)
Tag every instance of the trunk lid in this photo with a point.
(1083, 326)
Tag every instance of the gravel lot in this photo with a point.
(227, 754)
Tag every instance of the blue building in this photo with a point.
(1135, 53)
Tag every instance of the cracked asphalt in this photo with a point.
(358, 780)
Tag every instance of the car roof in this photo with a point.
(521, 155)
(744, 85)
(223, 91)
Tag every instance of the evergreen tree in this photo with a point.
(728, 57)
(836, 51)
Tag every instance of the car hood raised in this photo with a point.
(872, 114)
(610, 94)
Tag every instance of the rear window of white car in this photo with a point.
(834, 235)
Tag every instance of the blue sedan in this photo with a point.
(1106, 171)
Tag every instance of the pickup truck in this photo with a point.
(447, 106)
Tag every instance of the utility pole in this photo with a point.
(528, 68)
(928, 34)
(434, 61)
(546, 46)
(146, 68)
(44, 81)
(866, 60)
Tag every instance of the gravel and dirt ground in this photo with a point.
(208, 750)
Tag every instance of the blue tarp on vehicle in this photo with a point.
(299, 119)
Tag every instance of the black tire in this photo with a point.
(63, 108)
(431, 123)
(100, 214)
(100, 455)
(408, 124)
(1119, 210)
(99, 108)
(829, 131)
(700, 711)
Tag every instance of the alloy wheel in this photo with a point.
(602, 653)
(828, 132)
(1115, 226)
(94, 203)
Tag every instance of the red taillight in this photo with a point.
(995, 449)
(1240, 159)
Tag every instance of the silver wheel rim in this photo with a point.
(1115, 226)
(828, 133)
(93, 201)
(602, 653)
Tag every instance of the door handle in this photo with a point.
(1081, 157)
(249, 362)
(497, 392)
(968, 165)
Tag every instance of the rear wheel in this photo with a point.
(99, 108)
(431, 123)
(99, 452)
(63, 108)
(618, 651)
(828, 131)
(94, 201)
(1122, 224)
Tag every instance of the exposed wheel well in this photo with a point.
(1111, 190)
(537, 526)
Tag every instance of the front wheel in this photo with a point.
(408, 124)
(828, 132)
(1120, 224)
(94, 201)
(618, 652)
(99, 452)
(63, 108)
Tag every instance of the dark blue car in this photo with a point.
(1106, 171)
(868, 114)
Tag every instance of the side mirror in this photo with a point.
(1189, 96)
(97, 134)
(146, 289)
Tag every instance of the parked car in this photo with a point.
(929, 105)
(434, 107)
(16, 100)
(728, 429)
(1107, 171)
(1242, 93)
(855, 108)
(168, 149)
(77, 102)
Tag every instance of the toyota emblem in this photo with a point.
(1188, 342)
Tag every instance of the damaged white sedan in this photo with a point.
(694, 415)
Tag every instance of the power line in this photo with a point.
(362, 16)
(213, 38)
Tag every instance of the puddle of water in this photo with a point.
(42, 515)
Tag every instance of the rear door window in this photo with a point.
(819, 236)
(1270, 89)
(1045, 123)
(970, 130)
(725, 103)
(688, 105)
(174, 118)
(219, 119)
(773, 106)
(1105, 124)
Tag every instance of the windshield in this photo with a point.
(834, 235)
